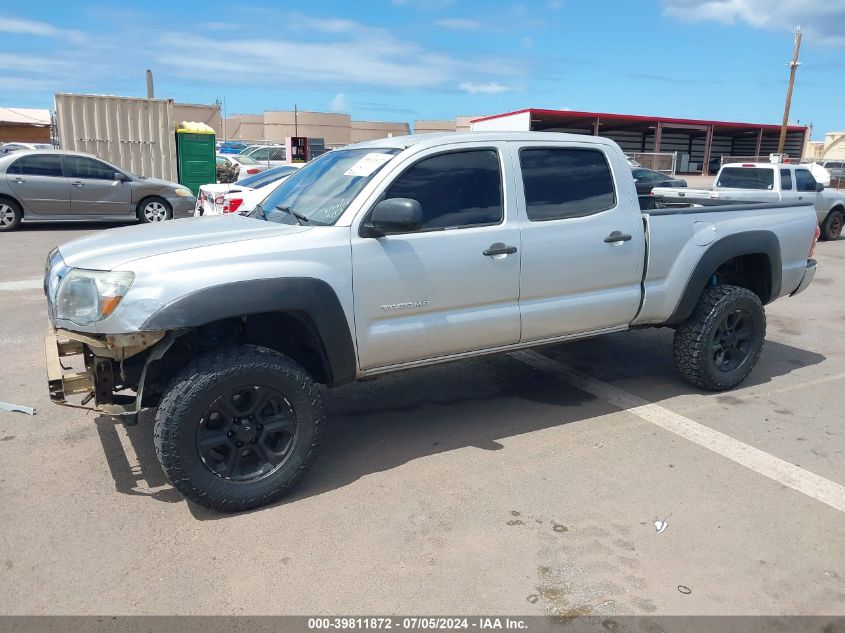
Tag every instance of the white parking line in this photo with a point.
(25, 284)
(810, 484)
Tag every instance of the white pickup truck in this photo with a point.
(765, 182)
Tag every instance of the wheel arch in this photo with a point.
(151, 196)
(749, 259)
(299, 317)
(11, 198)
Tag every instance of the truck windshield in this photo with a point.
(320, 192)
(746, 178)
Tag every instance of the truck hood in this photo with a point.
(106, 250)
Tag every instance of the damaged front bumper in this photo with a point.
(102, 377)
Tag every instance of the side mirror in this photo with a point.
(394, 215)
(819, 186)
(119, 176)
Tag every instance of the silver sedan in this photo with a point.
(51, 186)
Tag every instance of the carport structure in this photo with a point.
(695, 140)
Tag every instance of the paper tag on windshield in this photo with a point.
(368, 164)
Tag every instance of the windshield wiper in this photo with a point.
(300, 219)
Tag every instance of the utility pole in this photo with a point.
(150, 90)
(793, 66)
(295, 121)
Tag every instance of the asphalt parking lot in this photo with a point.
(515, 484)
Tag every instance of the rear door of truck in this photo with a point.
(582, 238)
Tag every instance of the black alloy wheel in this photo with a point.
(246, 434)
(732, 340)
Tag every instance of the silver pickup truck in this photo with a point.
(389, 255)
(767, 182)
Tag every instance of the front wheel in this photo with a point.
(238, 427)
(154, 210)
(831, 228)
(719, 344)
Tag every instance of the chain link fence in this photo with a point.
(664, 162)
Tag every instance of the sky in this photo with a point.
(401, 60)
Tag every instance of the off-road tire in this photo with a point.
(691, 349)
(196, 387)
(10, 207)
(164, 210)
(832, 226)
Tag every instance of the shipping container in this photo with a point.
(135, 134)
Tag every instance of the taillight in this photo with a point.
(748, 164)
(815, 240)
(253, 170)
(232, 205)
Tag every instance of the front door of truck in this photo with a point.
(453, 285)
(582, 239)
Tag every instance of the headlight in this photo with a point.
(86, 296)
(182, 192)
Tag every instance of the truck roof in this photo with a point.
(442, 138)
(772, 165)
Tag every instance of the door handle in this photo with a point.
(499, 249)
(20, 181)
(617, 236)
(78, 184)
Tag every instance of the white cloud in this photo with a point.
(488, 88)
(459, 23)
(33, 27)
(340, 103)
(823, 21)
(350, 53)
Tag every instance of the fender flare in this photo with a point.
(721, 251)
(312, 298)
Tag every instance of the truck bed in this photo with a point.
(678, 236)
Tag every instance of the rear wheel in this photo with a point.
(10, 215)
(718, 346)
(832, 226)
(154, 210)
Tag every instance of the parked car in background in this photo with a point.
(241, 165)
(767, 183)
(7, 148)
(231, 147)
(647, 179)
(273, 155)
(210, 200)
(836, 169)
(57, 185)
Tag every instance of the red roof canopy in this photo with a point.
(636, 118)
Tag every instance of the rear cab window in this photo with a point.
(785, 180)
(747, 178)
(565, 182)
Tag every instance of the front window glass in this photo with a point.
(82, 167)
(321, 191)
(455, 190)
(746, 178)
(245, 160)
(804, 180)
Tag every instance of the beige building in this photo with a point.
(336, 129)
(832, 148)
(458, 124)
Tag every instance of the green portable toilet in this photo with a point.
(195, 157)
